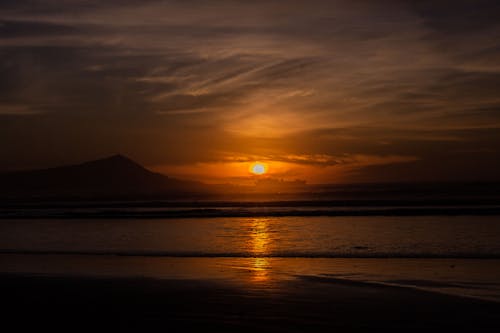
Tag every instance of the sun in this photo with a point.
(258, 168)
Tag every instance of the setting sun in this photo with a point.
(258, 168)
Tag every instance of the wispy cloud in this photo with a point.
(297, 81)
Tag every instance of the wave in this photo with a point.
(189, 254)
(243, 212)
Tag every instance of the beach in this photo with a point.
(145, 294)
(303, 305)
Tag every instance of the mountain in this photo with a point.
(115, 176)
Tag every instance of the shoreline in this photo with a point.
(312, 305)
(470, 278)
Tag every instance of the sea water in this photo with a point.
(450, 254)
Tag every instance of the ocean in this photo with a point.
(303, 236)
(445, 253)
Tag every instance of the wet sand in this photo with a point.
(305, 304)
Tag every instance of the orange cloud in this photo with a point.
(312, 168)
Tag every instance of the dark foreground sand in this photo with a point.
(306, 305)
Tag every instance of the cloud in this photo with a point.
(301, 82)
(323, 160)
(17, 110)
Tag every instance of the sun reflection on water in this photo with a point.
(259, 237)
(259, 242)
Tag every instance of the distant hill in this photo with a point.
(118, 177)
(115, 176)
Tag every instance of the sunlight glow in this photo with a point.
(258, 168)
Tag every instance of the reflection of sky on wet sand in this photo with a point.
(261, 268)
(477, 277)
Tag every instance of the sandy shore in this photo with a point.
(304, 305)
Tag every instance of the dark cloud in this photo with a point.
(460, 16)
(14, 29)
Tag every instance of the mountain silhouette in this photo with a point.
(115, 176)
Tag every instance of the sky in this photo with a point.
(323, 91)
